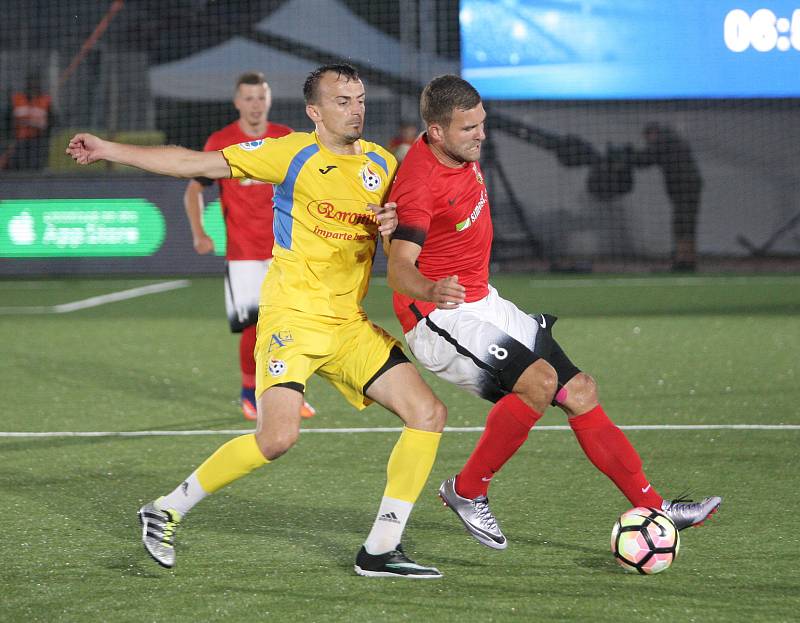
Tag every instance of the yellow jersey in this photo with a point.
(325, 236)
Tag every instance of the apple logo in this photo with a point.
(21, 229)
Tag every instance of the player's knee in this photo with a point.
(548, 381)
(538, 384)
(582, 392)
(438, 416)
(276, 443)
(429, 416)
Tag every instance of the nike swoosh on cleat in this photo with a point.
(406, 565)
(543, 322)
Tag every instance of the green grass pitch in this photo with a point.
(279, 545)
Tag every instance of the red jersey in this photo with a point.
(246, 203)
(446, 212)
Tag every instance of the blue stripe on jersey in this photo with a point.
(379, 160)
(283, 197)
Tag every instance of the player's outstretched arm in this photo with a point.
(163, 159)
(404, 277)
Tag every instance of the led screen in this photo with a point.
(640, 49)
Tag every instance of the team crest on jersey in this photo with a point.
(252, 145)
(370, 179)
(279, 339)
(478, 175)
(276, 367)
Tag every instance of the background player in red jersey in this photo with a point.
(460, 328)
(247, 210)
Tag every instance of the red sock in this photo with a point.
(507, 428)
(247, 362)
(609, 449)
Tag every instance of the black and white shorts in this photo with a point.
(242, 291)
(485, 346)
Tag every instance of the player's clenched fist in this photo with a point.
(85, 148)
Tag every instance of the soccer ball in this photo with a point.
(645, 540)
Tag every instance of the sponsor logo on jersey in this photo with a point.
(328, 211)
(276, 367)
(327, 169)
(476, 212)
(371, 180)
(478, 175)
(279, 340)
(252, 145)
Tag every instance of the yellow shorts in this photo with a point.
(291, 346)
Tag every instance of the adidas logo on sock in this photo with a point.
(389, 517)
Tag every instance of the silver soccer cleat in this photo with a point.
(475, 514)
(158, 533)
(685, 513)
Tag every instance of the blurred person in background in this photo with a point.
(31, 119)
(406, 135)
(247, 211)
(666, 149)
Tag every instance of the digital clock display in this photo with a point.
(631, 49)
(762, 31)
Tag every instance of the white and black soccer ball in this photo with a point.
(645, 540)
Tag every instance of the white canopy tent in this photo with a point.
(210, 75)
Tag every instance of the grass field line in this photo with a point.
(448, 429)
(657, 281)
(650, 282)
(103, 299)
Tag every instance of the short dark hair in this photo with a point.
(250, 77)
(311, 85)
(443, 95)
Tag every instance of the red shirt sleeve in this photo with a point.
(414, 209)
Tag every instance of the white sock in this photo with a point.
(389, 525)
(184, 497)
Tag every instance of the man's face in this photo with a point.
(253, 102)
(339, 107)
(462, 139)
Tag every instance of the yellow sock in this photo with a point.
(231, 461)
(410, 464)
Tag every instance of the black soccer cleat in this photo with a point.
(393, 564)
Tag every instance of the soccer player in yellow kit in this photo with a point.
(329, 213)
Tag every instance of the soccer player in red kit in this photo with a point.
(461, 329)
(247, 210)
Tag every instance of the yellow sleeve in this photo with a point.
(266, 160)
(391, 166)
